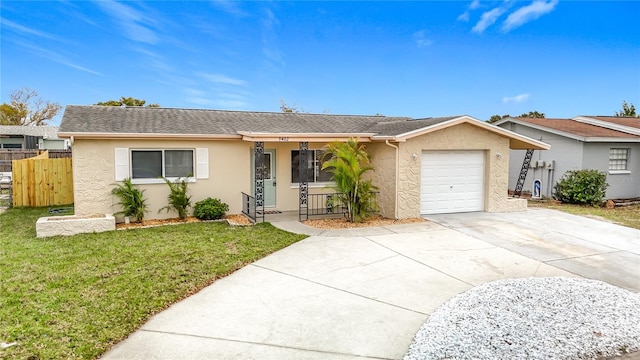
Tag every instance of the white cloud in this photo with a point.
(135, 24)
(222, 79)
(26, 30)
(56, 57)
(421, 39)
(465, 15)
(487, 19)
(156, 60)
(230, 7)
(270, 48)
(528, 13)
(515, 99)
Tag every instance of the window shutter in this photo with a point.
(202, 163)
(122, 163)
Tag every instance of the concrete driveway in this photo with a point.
(363, 294)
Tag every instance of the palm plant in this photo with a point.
(178, 199)
(132, 200)
(348, 162)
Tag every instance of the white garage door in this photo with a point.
(452, 181)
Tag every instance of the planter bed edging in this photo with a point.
(73, 224)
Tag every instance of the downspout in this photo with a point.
(397, 175)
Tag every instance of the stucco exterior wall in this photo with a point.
(287, 193)
(459, 137)
(94, 175)
(383, 158)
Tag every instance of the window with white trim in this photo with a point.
(315, 173)
(618, 159)
(151, 165)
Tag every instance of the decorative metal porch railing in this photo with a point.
(330, 204)
(250, 209)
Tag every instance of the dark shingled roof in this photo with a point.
(114, 119)
(50, 132)
(141, 120)
(397, 127)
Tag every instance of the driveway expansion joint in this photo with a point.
(420, 262)
(341, 290)
(584, 256)
(262, 344)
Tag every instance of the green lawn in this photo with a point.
(75, 297)
(627, 215)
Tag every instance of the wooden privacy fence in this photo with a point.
(40, 181)
(8, 155)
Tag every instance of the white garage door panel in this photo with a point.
(452, 181)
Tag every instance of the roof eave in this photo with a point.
(146, 136)
(516, 141)
(607, 125)
(541, 128)
(303, 137)
(612, 139)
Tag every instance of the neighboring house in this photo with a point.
(31, 138)
(606, 143)
(422, 166)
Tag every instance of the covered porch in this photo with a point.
(260, 204)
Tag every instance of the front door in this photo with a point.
(269, 177)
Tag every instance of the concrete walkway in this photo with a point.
(363, 293)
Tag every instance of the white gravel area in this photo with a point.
(532, 318)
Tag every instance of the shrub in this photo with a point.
(581, 187)
(178, 199)
(132, 200)
(348, 163)
(210, 209)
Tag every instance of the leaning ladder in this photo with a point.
(523, 172)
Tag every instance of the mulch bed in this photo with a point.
(237, 219)
(233, 220)
(342, 223)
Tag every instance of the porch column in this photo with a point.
(259, 176)
(303, 189)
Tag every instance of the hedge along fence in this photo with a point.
(40, 181)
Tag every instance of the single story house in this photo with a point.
(31, 138)
(606, 143)
(422, 166)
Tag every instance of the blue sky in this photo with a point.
(417, 59)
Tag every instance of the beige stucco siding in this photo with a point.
(459, 137)
(287, 193)
(230, 171)
(94, 175)
(383, 158)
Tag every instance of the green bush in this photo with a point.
(178, 199)
(581, 187)
(210, 209)
(132, 200)
(348, 162)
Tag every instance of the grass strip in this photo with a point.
(625, 215)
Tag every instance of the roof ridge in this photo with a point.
(240, 111)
